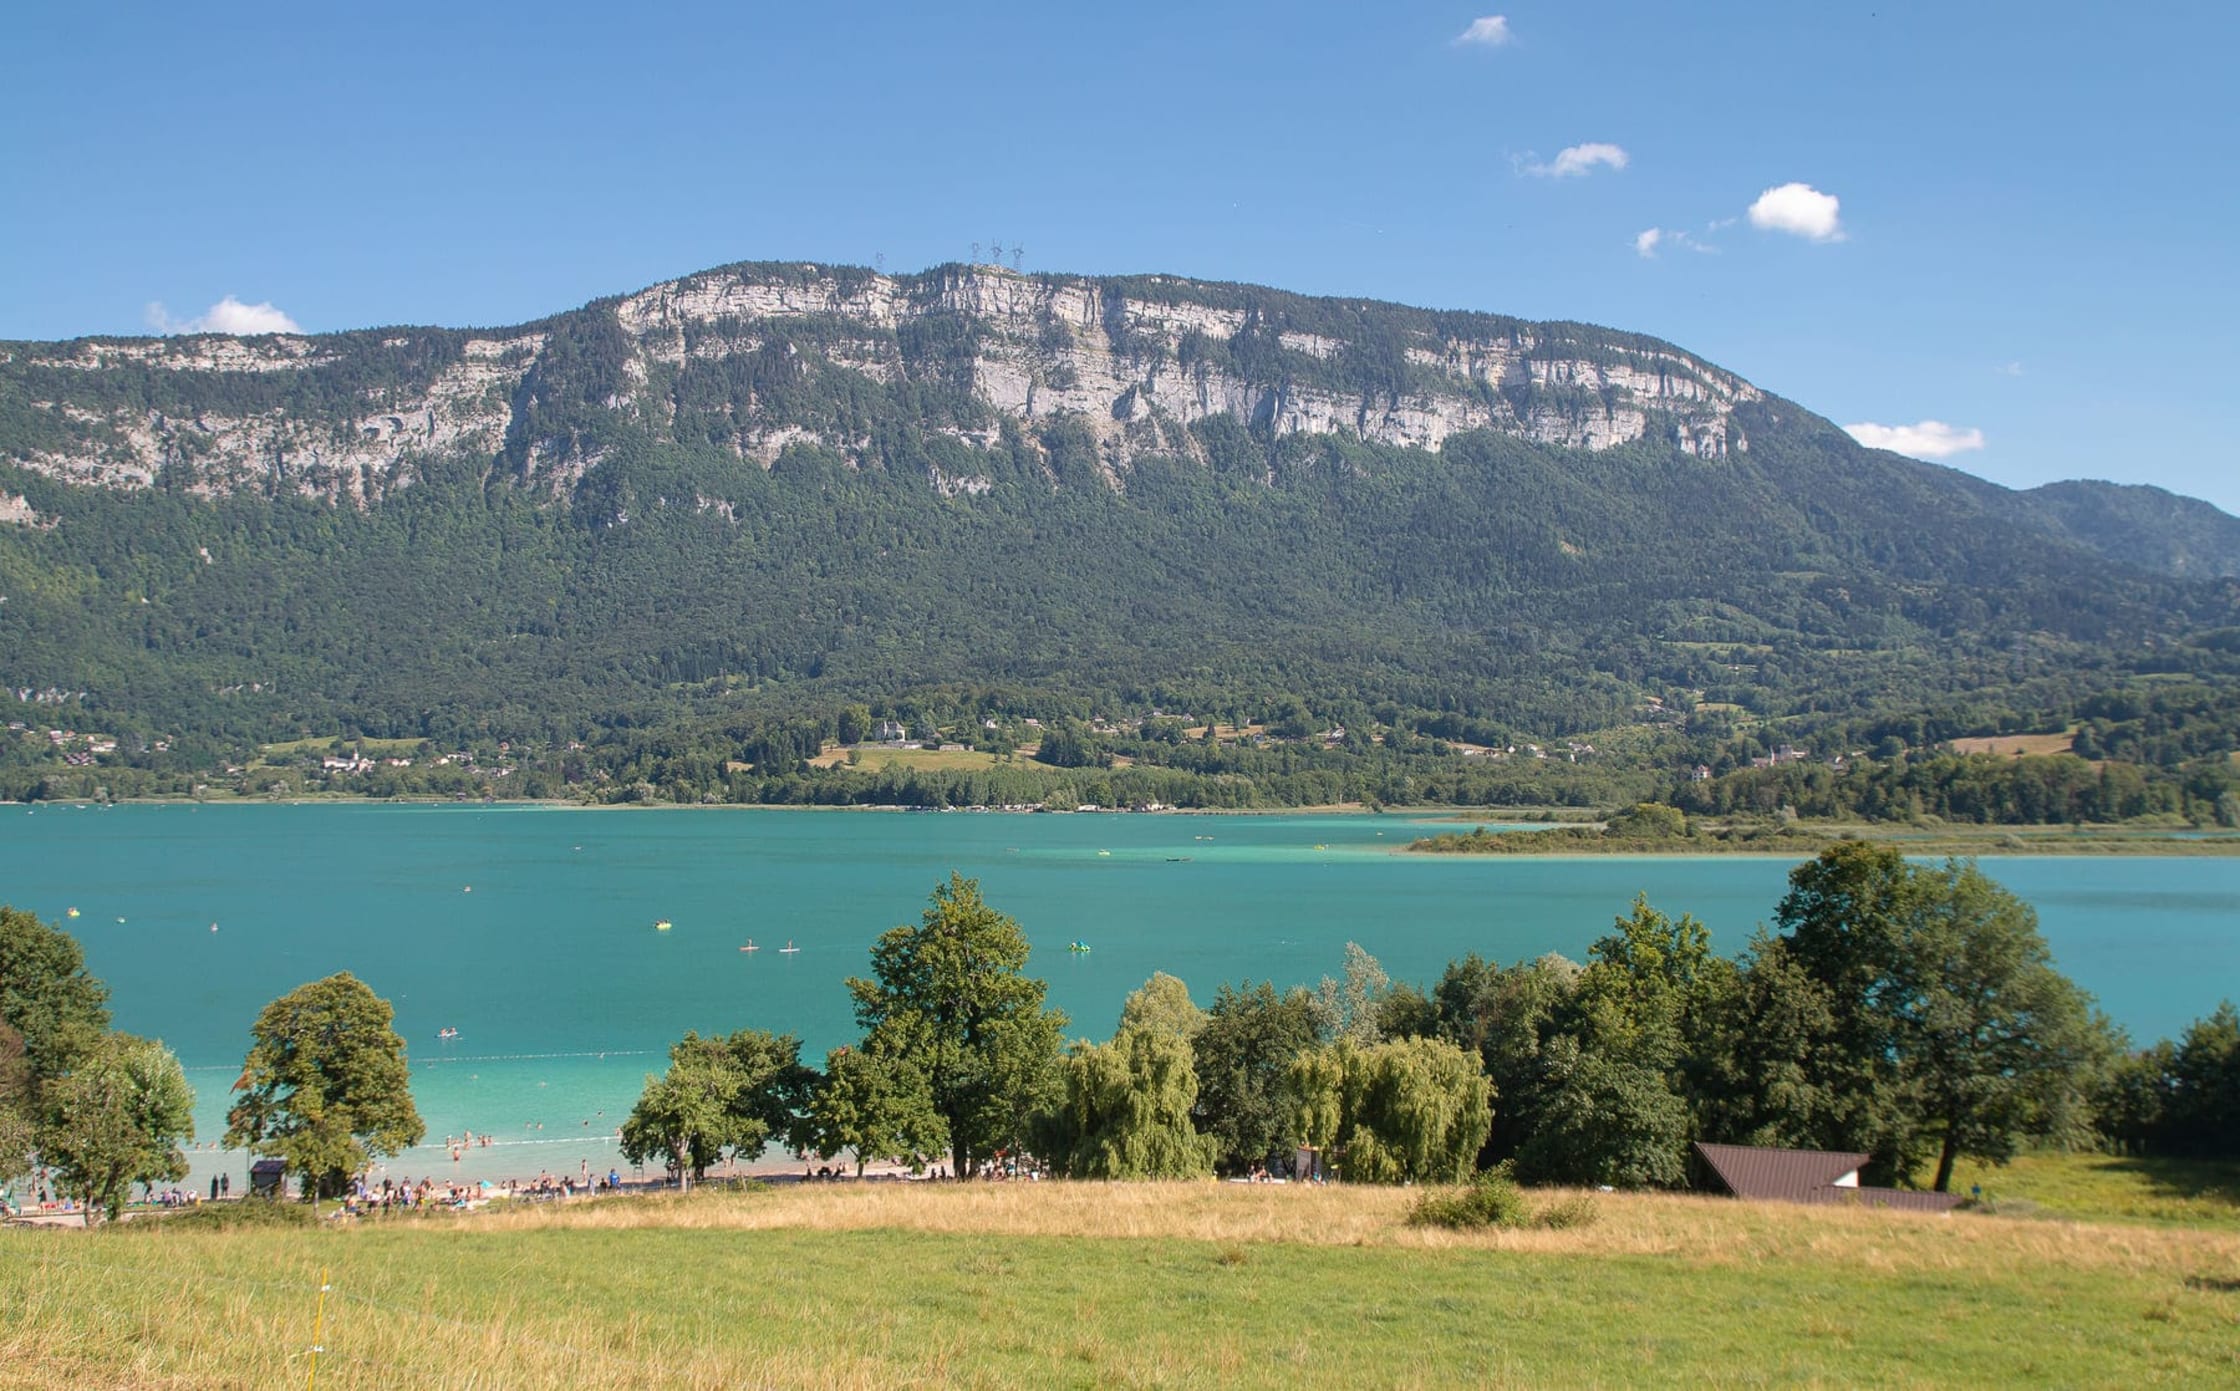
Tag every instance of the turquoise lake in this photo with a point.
(531, 931)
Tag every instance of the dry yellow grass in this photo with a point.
(1709, 1230)
(872, 757)
(861, 1285)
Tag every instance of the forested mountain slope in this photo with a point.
(773, 485)
(2145, 526)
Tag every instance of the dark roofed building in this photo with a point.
(268, 1178)
(1809, 1176)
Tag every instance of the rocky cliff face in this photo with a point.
(1137, 361)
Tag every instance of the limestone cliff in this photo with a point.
(752, 359)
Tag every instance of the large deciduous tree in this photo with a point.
(1250, 1036)
(1907, 1012)
(117, 1118)
(1162, 1003)
(1414, 1110)
(1997, 1043)
(1613, 1080)
(949, 997)
(46, 995)
(720, 1096)
(1124, 1110)
(326, 1087)
(875, 1108)
(1509, 1016)
(1351, 1007)
(15, 1107)
(2201, 1114)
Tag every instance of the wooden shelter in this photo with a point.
(268, 1178)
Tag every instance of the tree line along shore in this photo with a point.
(2161, 759)
(1908, 1012)
(1656, 828)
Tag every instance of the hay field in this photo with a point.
(1093, 1285)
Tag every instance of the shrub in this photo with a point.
(1578, 1210)
(220, 1217)
(1492, 1200)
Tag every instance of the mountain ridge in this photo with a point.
(1137, 356)
(782, 482)
(1288, 366)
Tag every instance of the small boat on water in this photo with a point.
(1077, 945)
(750, 946)
(789, 948)
(73, 912)
(447, 1034)
(661, 925)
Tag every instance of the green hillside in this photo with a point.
(778, 499)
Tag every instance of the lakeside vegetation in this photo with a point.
(1630, 833)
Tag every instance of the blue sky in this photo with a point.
(2031, 236)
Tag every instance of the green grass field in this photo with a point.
(2101, 1187)
(1130, 1285)
(873, 757)
(370, 748)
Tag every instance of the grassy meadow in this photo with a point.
(871, 758)
(1099, 1285)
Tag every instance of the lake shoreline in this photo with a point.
(569, 804)
(1804, 842)
(1995, 841)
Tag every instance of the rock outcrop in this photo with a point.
(1138, 361)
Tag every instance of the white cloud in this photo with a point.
(228, 315)
(1578, 161)
(2010, 369)
(1928, 439)
(1800, 210)
(1647, 243)
(1492, 31)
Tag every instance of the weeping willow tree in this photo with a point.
(1415, 1110)
(1124, 1110)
